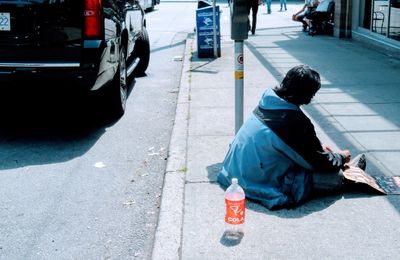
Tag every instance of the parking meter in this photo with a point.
(239, 20)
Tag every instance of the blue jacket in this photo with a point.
(274, 154)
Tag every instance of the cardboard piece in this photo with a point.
(389, 185)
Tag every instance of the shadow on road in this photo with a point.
(42, 124)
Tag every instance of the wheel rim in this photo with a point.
(122, 81)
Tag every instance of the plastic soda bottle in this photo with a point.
(235, 210)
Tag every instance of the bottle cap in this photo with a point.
(234, 181)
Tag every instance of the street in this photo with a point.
(75, 188)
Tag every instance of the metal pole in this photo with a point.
(215, 30)
(239, 80)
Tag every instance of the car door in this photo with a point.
(134, 22)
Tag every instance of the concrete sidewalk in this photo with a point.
(358, 107)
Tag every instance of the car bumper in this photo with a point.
(71, 73)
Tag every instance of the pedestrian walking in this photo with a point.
(253, 7)
(283, 4)
(268, 3)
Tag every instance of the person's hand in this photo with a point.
(294, 17)
(346, 154)
(327, 148)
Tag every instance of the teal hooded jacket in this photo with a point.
(274, 154)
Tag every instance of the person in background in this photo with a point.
(268, 3)
(316, 17)
(283, 4)
(253, 6)
(308, 7)
(277, 156)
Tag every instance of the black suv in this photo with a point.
(93, 44)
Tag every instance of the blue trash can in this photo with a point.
(205, 32)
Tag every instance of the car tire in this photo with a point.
(142, 51)
(118, 91)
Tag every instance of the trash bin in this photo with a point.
(205, 31)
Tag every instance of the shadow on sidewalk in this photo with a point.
(315, 204)
(351, 94)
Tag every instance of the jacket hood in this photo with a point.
(270, 100)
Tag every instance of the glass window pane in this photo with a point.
(380, 16)
(394, 22)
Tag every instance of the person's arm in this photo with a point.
(345, 153)
(302, 9)
(303, 139)
(322, 157)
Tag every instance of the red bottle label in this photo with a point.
(235, 210)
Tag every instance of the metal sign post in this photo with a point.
(215, 30)
(239, 78)
(239, 33)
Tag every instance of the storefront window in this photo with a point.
(381, 17)
(385, 18)
(394, 21)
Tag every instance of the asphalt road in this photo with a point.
(72, 187)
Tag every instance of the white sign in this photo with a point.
(5, 22)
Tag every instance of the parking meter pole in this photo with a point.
(239, 78)
(239, 33)
(215, 30)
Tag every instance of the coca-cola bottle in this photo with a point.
(235, 211)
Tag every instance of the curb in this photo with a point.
(168, 236)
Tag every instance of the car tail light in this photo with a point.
(93, 19)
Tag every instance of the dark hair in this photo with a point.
(299, 85)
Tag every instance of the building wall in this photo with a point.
(343, 15)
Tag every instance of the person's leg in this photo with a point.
(284, 3)
(254, 21)
(327, 182)
(307, 22)
(281, 3)
(310, 20)
(248, 18)
(318, 18)
(300, 18)
(268, 2)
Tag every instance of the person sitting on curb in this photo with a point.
(308, 7)
(277, 156)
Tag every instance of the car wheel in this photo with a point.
(119, 89)
(142, 51)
